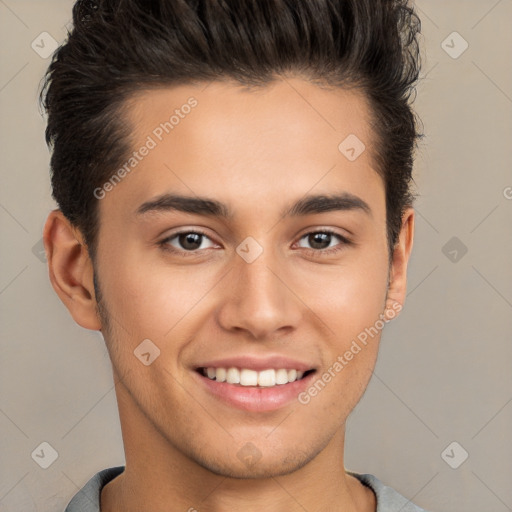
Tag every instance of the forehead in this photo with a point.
(257, 145)
(292, 108)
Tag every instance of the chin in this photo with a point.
(258, 466)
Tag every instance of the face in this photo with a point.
(244, 244)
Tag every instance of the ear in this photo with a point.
(70, 269)
(397, 287)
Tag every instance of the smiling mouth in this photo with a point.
(246, 377)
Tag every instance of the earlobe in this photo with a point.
(70, 269)
(398, 272)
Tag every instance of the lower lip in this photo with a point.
(256, 399)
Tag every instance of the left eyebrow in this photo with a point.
(326, 203)
(210, 207)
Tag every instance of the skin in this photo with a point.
(258, 151)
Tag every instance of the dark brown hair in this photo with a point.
(118, 47)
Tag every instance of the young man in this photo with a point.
(235, 217)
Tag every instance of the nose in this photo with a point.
(259, 298)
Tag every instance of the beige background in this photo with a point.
(444, 372)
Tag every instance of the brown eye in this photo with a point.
(321, 240)
(187, 241)
(190, 241)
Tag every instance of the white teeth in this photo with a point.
(247, 377)
(282, 376)
(267, 378)
(233, 376)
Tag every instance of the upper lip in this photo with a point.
(257, 363)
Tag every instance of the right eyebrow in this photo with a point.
(187, 204)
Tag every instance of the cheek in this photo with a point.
(154, 299)
(349, 298)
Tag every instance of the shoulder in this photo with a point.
(388, 500)
(87, 499)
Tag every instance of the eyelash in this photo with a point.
(164, 244)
